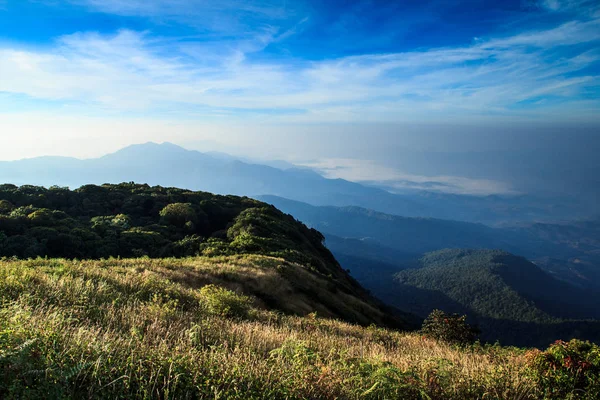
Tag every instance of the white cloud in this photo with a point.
(135, 71)
(570, 33)
(269, 8)
(569, 5)
(396, 181)
(218, 17)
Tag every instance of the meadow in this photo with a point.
(200, 327)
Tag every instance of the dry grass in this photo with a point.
(138, 329)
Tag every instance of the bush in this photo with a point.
(568, 370)
(225, 303)
(451, 328)
(189, 245)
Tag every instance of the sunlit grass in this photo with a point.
(144, 328)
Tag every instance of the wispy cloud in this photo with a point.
(212, 17)
(550, 73)
(368, 171)
(562, 5)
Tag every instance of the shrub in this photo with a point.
(223, 302)
(189, 245)
(568, 370)
(215, 247)
(451, 328)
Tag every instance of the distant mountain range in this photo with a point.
(512, 299)
(170, 165)
(570, 252)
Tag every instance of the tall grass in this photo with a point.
(142, 328)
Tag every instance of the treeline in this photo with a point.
(133, 220)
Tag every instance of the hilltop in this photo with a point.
(130, 220)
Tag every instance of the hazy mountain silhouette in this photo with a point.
(170, 165)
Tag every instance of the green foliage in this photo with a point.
(137, 242)
(130, 220)
(470, 278)
(189, 245)
(365, 379)
(267, 230)
(568, 370)
(509, 298)
(215, 247)
(224, 302)
(5, 206)
(116, 223)
(179, 215)
(42, 217)
(451, 328)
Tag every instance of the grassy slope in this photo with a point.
(139, 328)
(97, 222)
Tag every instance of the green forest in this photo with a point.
(131, 220)
(510, 298)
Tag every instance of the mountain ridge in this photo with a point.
(167, 164)
(558, 254)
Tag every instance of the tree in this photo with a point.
(111, 223)
(5, 206)
(451, 328)
(180, 215)
(41, 217)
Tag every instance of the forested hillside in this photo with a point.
(135, 220)
(130, 220)
(510, 298)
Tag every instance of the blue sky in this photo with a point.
(225, 72)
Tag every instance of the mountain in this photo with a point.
(569, 252)
(505, 294)
(511, 299)
(129, 220)
(170, 165)
(582, 238)
(415, 235)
